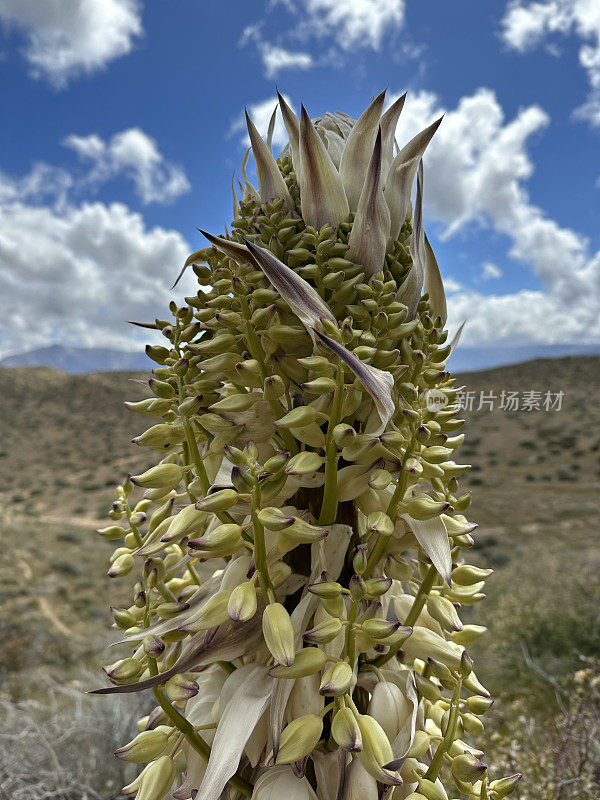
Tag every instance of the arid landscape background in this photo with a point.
(535, 479)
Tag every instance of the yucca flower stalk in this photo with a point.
(298, 551)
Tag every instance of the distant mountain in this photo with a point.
(465, 359)
(471, 359)
(80, 359)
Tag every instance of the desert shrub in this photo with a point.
(558, 753)
(542, 611)
(61, 748)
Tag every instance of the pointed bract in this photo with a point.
(292, 126)
(377, 382)
(434, 286)
(271, 184)
(389, 122)
(302, 298)
(371, 227)
(322, 193)
(358, 151)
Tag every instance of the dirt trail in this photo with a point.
(44, 606)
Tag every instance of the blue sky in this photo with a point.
(122, 128)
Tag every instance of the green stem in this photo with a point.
(187, 729)
(349, 642)
(330, 494)
(260, 551)
(256, 350)
(446, 743)
(392, 510)
(413, 614)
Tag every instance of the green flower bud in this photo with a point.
(279, 634)
(299, 738)
(122, 565)
(299, 417)
(276, 463)
(146, 746)
(154, 647)
(377, 750)
(431, 790)
(304, 463)
(344, 435)
(444, 612)
(360, 560)
(324, 632)
(420, 744)
(468, 635)
(125, 670)
(161, 389)
(242, 602)
(180, 688)
(378, 522)
(112, 533)
(308, 661)
(220, 500)
(466, 575)
(154, 781)
(224, 538)
(376, 587)
(337, 679)
(505, 786)
(379, 629)
(274, 519)
(468, 768)
(325, 588)
(479, 705)
(426, 508)
(345, 731)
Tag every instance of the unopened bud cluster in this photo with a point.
(297, 554)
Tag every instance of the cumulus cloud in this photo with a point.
(353, 23)
(476, 172)
(527, 24)
(347, 26)
(260, 113)
(136, 155)
(65, 38)
(75, 274)
(275, 58)
(490, 270)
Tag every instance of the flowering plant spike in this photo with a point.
(298, 553)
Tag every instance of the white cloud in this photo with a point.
(348, 25)
(490, 270)
(527, 24)
(352, 23)
(476, 170)
(136, 155)
(277, 58)
(65, 38)
(274, 57)
(451, 285)
(75, 274)
(260, 113)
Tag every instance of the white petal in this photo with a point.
(237, 722)
(433, 538)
